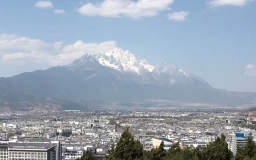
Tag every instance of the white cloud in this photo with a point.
(79, 48)
(11, 43)
(44, 4)
(128, 8)
(26, 58)
(59, 11)
(217, 3)
(250, 70)
(178, 16)
(58, 45)
(16, 49)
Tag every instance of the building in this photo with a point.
(157, 141)
(32, 150)
(66, 132)
(4, 150)
(14, 150)
(238, 140)
(73, 153)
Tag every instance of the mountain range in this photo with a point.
(115, 78)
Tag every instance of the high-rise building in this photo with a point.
(239, 140)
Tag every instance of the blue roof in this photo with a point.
(240, 135)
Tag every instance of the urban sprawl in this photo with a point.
(66, 135)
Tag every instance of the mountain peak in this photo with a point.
(118, 59)
(122, 60)
(121, 54)
(125, 61)
(163, 67)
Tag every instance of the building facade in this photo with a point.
(157, 141)
(3, 150)
(30, 150)
(239, 140)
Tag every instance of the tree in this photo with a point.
(198, 152)
(247, 152)
(147, 155)
(217, 150)
(187, 154)
(176, 153)
(159, 153)
(127, 148)
(87, 155)
(174, 149)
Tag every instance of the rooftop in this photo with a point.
(164, 139)
(30, 145)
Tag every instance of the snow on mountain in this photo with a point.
(123, 61)
(139, 70)
(163, 67)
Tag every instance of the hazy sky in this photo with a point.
(213, 39)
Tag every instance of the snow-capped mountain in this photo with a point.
(138, 70)
(123, 61)
(117, 59)
(117, 77)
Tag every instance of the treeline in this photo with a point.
(128, 148)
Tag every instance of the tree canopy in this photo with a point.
(248, 152)
(128, 148)
(88, 155)
(217, 150)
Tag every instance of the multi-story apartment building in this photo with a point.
(4, 150)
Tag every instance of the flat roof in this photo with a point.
(30, 145)
(164, 139)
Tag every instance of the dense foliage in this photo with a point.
(129, 149)
(248, 152)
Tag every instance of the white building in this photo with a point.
(157, 141)
(238, 140)
(10, 150)
(4, 150)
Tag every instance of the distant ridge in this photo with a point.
(115, 78)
